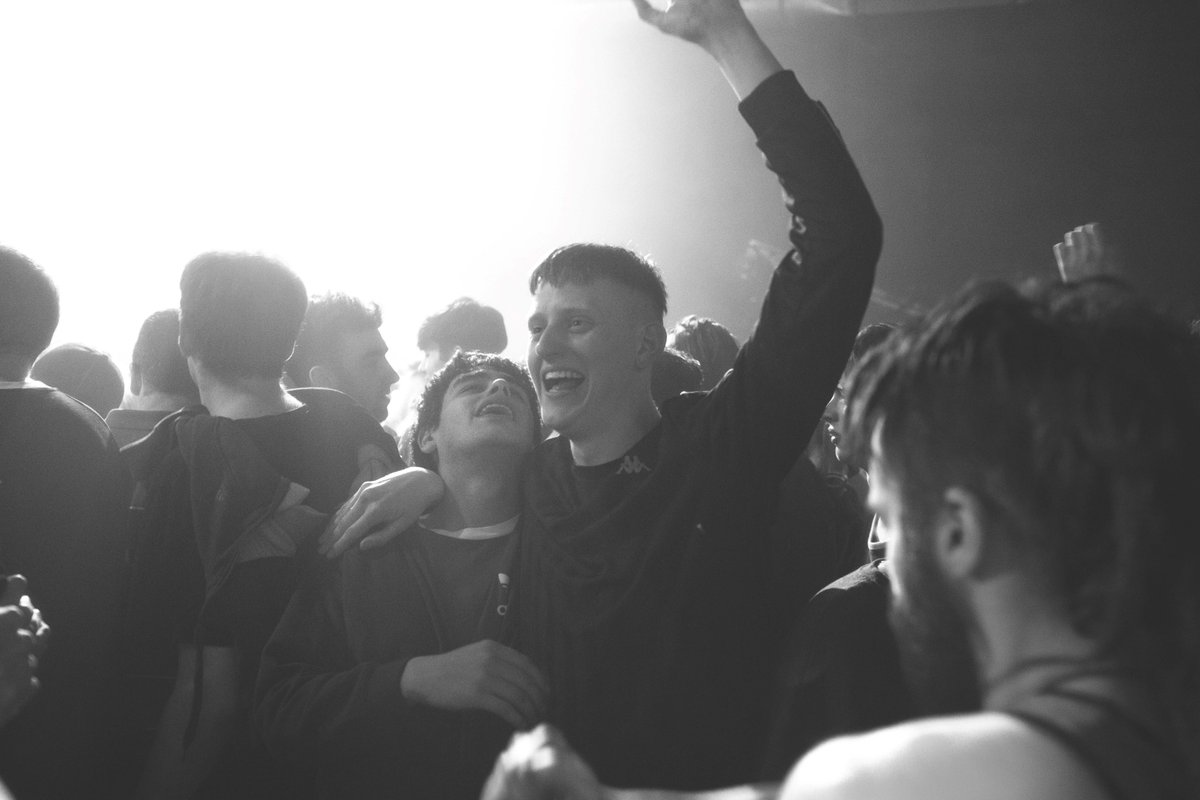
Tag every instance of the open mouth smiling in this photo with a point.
(557, 381)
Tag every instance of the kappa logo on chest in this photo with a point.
(633, 465)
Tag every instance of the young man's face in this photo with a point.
(483, 408)
(584, 342)
(363, 371)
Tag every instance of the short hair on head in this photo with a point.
(710, 343)
(28, 306)
(157, 355)
(587, 262)
(329, 317)
(83, 372)
(1074, 413)
(674, 372)
(429, 407)
(466, 324)
(239, 313)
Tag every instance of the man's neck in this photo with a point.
(244, 398)
(479, 492)
(1023, 641)
(14, 368)
(615, 439)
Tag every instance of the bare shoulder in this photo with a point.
(986, 756)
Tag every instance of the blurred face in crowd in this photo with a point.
(431, 362)
(484, 408)
(833, 419)
(363, 370)
(587, 354)
(926, 617)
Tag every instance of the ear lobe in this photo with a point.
(135, 380)
(652, 342)
(959, 540)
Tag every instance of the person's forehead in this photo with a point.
(601, 294)
(363, 340)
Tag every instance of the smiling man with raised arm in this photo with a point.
(644, 562)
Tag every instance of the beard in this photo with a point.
(935, 650)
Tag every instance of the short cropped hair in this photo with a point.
(585, 263)
(329, 317)
(158, 357)
(429, 407)
(28, 306)
(1074, 412)
(674, 373)
(83, 372)
(466, 324)
(240, 313)
(710, 343)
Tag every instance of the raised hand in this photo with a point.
(380, 510)
(697, 21)
(23, 637)
(722, 28)
(484, 675)
(540, 765)
(1084, 253)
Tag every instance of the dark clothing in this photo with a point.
(842, 671)
(130, 424)
(1122, 739)
(819, 534)
(329, 696)
(225, 513)
(63, 499)
(643, 584)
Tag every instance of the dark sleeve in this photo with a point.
(760, 418)
(74, 558)
(311, 697)
(841, 674)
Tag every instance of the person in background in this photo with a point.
(465, 324)
(229, 498)
(674, 372)
(1032, 455)
(83, 372)
(64, 495)
(707, 341)
(159, 382)
(340, 347)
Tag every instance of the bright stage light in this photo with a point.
(401, 151)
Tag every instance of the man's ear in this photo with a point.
(426, 442)
(324, 377)
(960, 537)
(653, 340)
(135, 379)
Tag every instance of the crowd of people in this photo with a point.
(954, 557)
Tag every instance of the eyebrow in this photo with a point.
(468, 376)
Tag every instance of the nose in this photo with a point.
(392, 375)
(501, 385)
(549, 341)
(835, 408)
